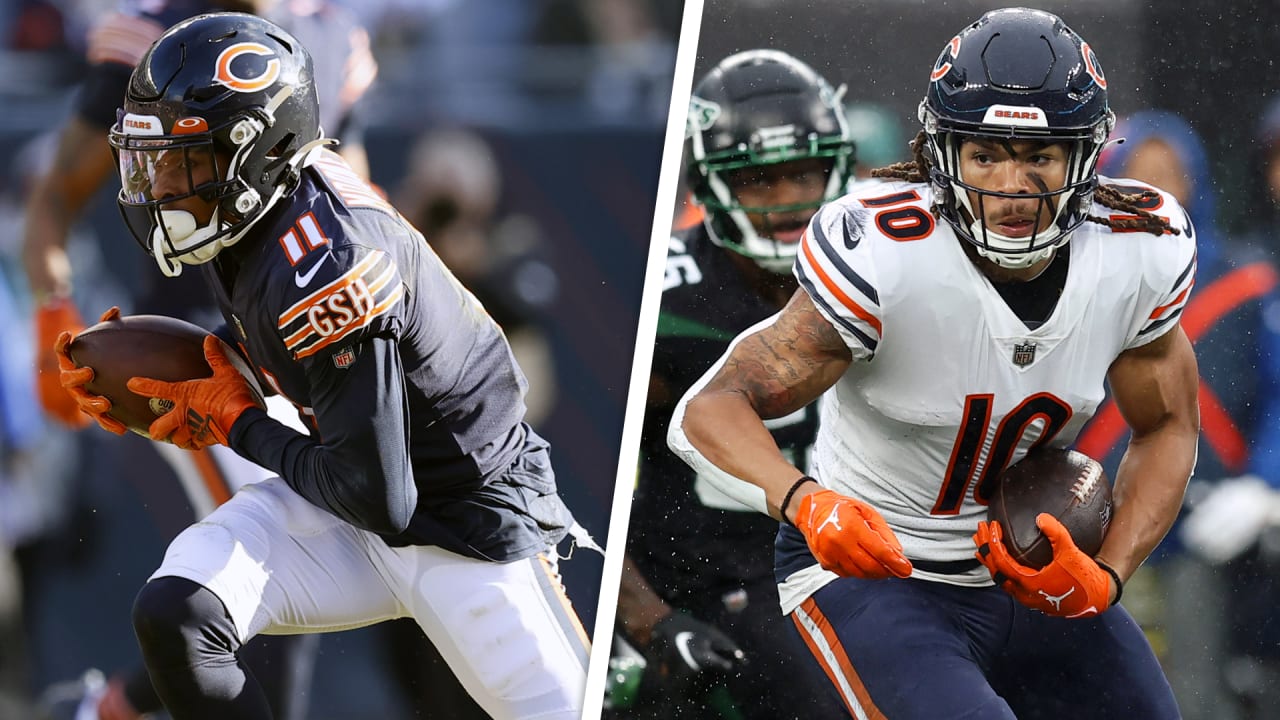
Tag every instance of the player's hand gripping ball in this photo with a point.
(1047, 520)
(1069, 485)
(100, 365)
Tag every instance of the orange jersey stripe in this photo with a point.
(1176, 301)
(377, 284)
(344, 280)
(835, 290)
(347, 330)
(1225, 294)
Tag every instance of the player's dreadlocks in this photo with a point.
(917, 171)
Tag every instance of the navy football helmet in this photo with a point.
(227, 89)
(1016, 74)
(758, 108)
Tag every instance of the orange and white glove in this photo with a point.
(72, 379)
(1072, 585)
(204, 409)
(849, 538)
(51, 320)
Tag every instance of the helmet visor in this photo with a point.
(154, 171)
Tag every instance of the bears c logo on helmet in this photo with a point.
(266, 74)
(1091, 65)
(943, 65)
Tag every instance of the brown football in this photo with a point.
(1067, 484)
(152, 346)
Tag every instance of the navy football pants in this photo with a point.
(905, 649)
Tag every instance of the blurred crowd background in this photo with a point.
(522, 136)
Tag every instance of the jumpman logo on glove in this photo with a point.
(832, 519)
(864, 546)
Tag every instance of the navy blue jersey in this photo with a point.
(414, 397)
(685, 537)
(344, 67)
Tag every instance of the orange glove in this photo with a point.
(72, 380)
(203, 410)
(1072, 585)
(51, 320)
(849, 538)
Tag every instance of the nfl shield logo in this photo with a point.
(1024, 355)
(344, 358)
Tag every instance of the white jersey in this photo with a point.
(948, 386)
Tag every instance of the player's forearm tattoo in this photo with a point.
(787, 365)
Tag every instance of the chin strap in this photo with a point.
(181, 224)
(1018, 261)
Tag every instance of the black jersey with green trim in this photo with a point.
(686, 537)
(415, 401)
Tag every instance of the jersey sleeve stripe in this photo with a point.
(831, 287)
(353, 189)
(1182, 277)
(346, 278)
(1176, 302)
(1186, 280)
(820, 236)
(867, 341)
(324, 342)
(374, 287)
(1159, 323)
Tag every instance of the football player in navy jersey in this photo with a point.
(82, 166)
(951, 320)
(766, 145)
(420, 491)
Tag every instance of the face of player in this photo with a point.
(1017, 167)
(785, 196)
(174, 173)
(1156, 163)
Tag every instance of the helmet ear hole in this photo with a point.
(246, 202)
(243, 132)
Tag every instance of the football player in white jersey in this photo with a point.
(952, 321)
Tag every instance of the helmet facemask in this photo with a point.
(174, 236)
(729, 220)
(753, 112)
(1067, 206)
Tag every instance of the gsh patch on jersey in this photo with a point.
(341, 306)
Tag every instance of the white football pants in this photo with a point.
(283, 566)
